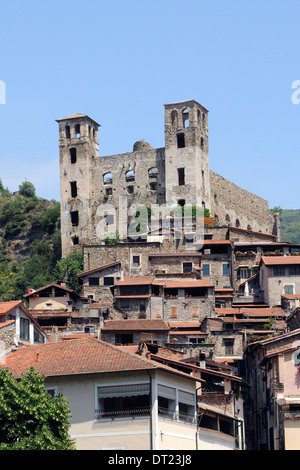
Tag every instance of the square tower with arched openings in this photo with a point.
(78, 146)
(186, 154)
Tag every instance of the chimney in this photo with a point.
(202, 361)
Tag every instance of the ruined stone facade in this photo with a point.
(99, 193)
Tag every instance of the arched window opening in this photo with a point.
(174, 119)
(153, 173)
(227, 218)
(180, 140)
(202, 142)
(249, 227)
(68, 132)
(185, 118)
(130, 176)
(237, 223)
(107, 178)
(77, 131)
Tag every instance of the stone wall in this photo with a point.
(237, 206)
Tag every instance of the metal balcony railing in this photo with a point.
(113, 414)
(176, 415)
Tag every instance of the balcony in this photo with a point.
(115, 414)
(176, 416)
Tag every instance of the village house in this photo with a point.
(17, 326)
(278, 275)
(272, 403)
(130, 402)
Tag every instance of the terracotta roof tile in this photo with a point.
(78, 357)
(280, 260)
(135, 281)
(6, 323)
(135, 324)
(73, 357)
(6, 307)
(187, 284)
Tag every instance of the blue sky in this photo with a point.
(120, 61)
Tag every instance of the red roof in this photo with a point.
(290, 296)
(280, 260)
(252, 312)
(77, 357)
(135, 324)
(6, 307)
(135, 281)
(187, 284)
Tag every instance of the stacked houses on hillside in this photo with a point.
(192, 323)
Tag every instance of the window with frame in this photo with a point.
(205, 270)
(288, 289)
(243, 272)
(123, 400)
(225, 269)
(93, 281)
(278, 271)
(24, 328)
(294, 270)
(136, 261)
(229, 346)
(187, 267)
(108, 281)
(123, 303)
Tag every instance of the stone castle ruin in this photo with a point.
(93, 186)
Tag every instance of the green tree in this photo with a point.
(27, 189)
(66, 270)
(30, 418)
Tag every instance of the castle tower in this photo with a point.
(78, 146)
(186, 154)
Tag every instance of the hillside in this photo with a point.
(30, 248)
(290, 225)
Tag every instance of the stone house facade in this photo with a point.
(279, 275)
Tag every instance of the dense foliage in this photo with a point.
(290, 225)
(30, 246)
(30, 418)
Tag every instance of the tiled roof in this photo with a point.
(135, 324)
(6, 323)
(79, 357)
(99, 268)
(135, 281)
(184, 324)
(216, 242)
(53, 284)
(6, 307)
(187, 284)
(280, 260)
(252, 312)
(290, 296)
(73, 357)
